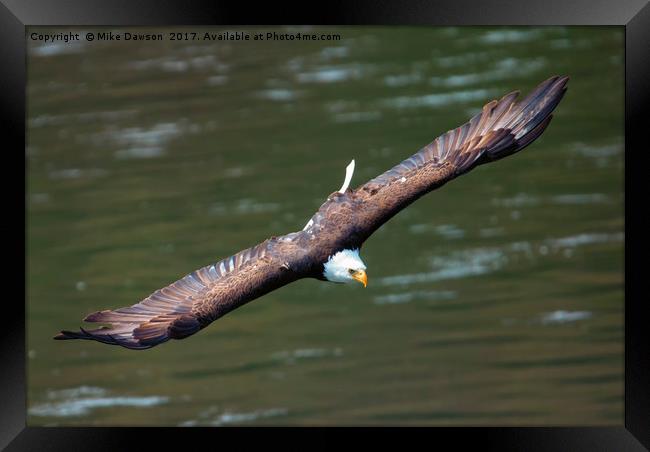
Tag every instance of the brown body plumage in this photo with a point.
(344, 221)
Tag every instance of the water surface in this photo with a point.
(497, 300)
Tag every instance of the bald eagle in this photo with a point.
(328, 247)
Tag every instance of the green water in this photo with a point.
(496, 300)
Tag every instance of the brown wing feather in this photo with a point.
(502, 128)
(189, 304)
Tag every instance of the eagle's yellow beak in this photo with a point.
(360, 275)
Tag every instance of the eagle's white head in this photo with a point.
(346, 266)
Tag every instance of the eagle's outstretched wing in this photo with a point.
(194, 301)
(502, 128)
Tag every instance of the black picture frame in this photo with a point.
(634, 15)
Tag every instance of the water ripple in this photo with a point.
(291, 357)
(281, 95)
(357, 116)
(504, 69)
(438, 100)
(332, 74)
(509, 36)
(459, 265)
(581, 198)
(139, 142)
(77, 173)
(229, 417)
(406, 297)
(243, 207)
(82, 400)
(556, 317)
(479, 261)
(585, 239)
(448, 231)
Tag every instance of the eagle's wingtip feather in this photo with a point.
(64, 335)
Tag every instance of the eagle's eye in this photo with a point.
(351, 271)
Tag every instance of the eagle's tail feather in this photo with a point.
(349, 171)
